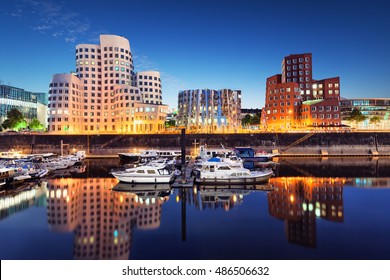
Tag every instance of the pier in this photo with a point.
(356, 144)
(185, 180)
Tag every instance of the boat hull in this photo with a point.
(143, 179)
(233, 180)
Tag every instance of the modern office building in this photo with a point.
(289, 97)
(209, 111)
(30, 104)
(376, 110)
(103, 96)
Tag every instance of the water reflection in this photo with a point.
(104, 217)
(299, 201)
(21, 198)
(103, 213)
(226, 197)
(102, 220)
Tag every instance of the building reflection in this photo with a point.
(21, 198)
(214, 197)
(300, 201)
(102, 220)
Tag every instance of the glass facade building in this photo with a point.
(377, 108)
(30, 104)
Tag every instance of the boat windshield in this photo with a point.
(163, 171)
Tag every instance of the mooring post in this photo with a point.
(183, 155)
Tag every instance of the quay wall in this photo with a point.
(108, 144)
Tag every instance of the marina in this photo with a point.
(309, 209)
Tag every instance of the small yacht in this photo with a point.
(226, 173)
(149, 173)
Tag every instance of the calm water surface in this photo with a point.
(318, 209)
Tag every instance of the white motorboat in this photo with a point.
(153, 173)
(226, 173)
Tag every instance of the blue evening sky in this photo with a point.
(213, 44)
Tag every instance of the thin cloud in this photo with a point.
(171, 86)
(143, 63)
(53, 18)
(18, 13)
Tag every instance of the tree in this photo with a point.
(375, 120)
(35, 124)
(15, 120)
(170, 123)
(246, 120)
(356, 116)
(255, 119)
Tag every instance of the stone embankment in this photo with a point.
(287, 144)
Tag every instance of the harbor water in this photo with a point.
(311, 209)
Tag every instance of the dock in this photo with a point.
(187, 180)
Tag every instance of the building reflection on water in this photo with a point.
(21, 198)
(103, 220)
(300, 201)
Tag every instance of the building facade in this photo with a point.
(286, 94)
(376, 110)
(103, 96)
(209, 111)
(30, 104)
(149, 83)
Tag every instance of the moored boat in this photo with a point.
(225, 173)
(145, 174)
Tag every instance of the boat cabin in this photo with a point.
(244, 152)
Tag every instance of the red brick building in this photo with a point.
(292, 97)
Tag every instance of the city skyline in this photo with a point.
(199, 44)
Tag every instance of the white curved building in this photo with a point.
(102, 96)
(149, 83)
